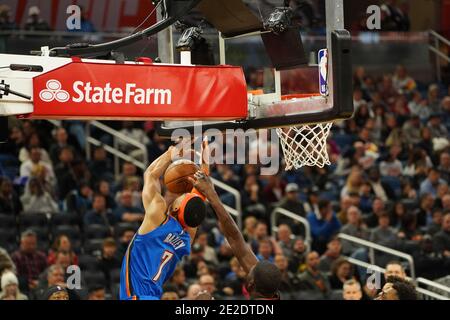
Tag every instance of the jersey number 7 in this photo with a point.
(166, 257)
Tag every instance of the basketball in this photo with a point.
(176, 176)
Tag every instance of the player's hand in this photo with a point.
(182, 148)
(203, 184)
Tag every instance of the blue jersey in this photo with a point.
(151, 260)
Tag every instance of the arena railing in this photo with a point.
(374, 246)
(237, 212)
(425, 293)
(436, 39)
(281, 211)
(114, 150)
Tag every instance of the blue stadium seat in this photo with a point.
(94, 278)
(343, 141)
(93, 247)
(96, 231)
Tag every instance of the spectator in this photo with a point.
(37, 168)
(352, 290)
(79, 200)
(100, 166)
(438, 130)
(96, 292)
(10, 287)
(124, 241)
(433, 99)
(324, 225)
(132, 184)
(392, 166)
(28, 260)
(274, 190)
(35, 22)
(289, 280)
(418, 107)
(99, 213)
(178, 280)
(397, 289)
(402, 82)
(6, 23)
(354, 182)
(249, 228)
(237, 278)
(441, 240)
(134, 133)
(436, 223)
(251, 198)
(125, 211)
(128, 170)
(109, 261)
(170, 295)
(341, 272)
(377, 209)
(384, 235)
(209, 254)
(291, 203)
(424, 212)
(64, 172)
(53, 276)
(6, 263)
(333, 253)
(444, 166)
(36, 199)
(394, 268)
(396, 215)
(61, 141)
(345, 203)
(193, 291)
(33, 141)
(104, 189)
(431, 183)
(265, 250)
(411, 130)
(285, 240)
(408, 228)
(355, 228)
(9, 201)
(86, 25)
(16, 139)
(312, 280)
(312, 202)
(61, 243)
(208, 284)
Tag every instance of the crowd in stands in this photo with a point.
(388, 183)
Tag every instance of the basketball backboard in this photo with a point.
(295, 91)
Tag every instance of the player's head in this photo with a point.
(264, 280)
(189, 209)
(397, 289)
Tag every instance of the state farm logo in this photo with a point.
(87, 93)
(54, 92)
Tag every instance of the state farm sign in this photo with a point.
(135, 91)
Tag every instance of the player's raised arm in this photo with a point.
(154, 204)
(228, 227)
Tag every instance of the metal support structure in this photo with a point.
(281, 211)
(237, 196)
(374, 246)
(437, 39)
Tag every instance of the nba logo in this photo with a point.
(323, 72)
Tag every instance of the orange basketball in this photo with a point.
(176, 176)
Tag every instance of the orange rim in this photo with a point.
(299, 96)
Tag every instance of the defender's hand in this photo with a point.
(203, 184)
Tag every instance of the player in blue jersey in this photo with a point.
(164, 236)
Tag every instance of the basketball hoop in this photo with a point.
(305, 145)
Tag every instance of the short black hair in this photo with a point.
(95, 287)
(267, 279)
(194, 212)
(405, 289)
(323, 203)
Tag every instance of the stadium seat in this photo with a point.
(115, 276)
(96, 231)
(88, 263)
(93, 247)
(394, 183)
(8, 239)
(60, 219)
(27, 220)
(8, 221)
(72, 232)
(120, 227)
(343, 141)
(94, 278)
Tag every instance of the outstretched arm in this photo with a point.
(227, 226)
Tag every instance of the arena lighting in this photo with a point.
(279, 20)
(189, 38)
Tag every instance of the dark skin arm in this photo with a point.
(227, 226)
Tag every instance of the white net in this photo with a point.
(305, 145)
